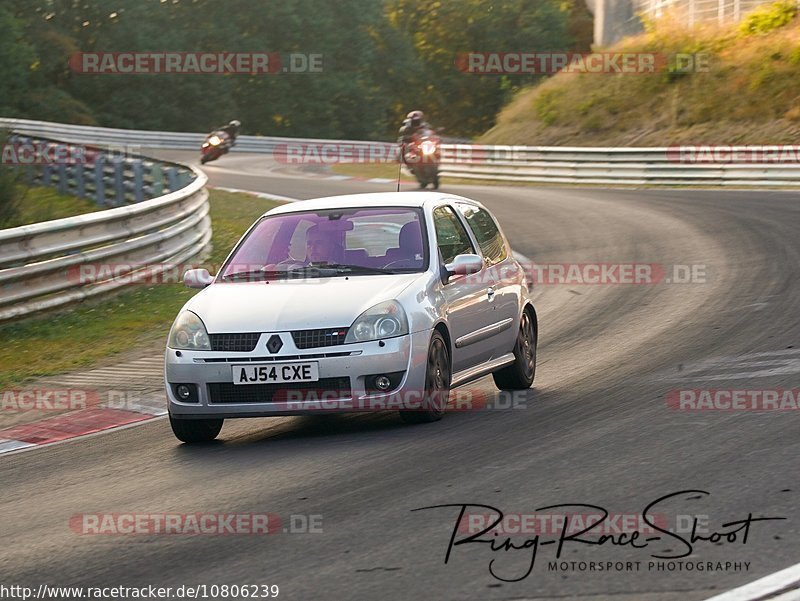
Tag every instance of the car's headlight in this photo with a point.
(384, 320)
(188, 333)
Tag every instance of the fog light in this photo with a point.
(383, 383)
(183, 392)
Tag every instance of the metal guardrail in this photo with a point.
(611, 166)
(533, 164)
(43, 265)
(110, 178)
(105, 136)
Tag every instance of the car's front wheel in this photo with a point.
(519, 375)
(195, 430)
(437, 385)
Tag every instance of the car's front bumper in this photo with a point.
(211, 373)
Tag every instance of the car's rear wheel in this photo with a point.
(195, 430)
(519, 375)
(437, 385)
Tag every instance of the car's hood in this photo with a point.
(281, 305)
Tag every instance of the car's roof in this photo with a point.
(373, 199)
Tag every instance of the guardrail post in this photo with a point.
(80, 182)
(47, 175)
(157, 175)
(119, 186)
(184, 178)
(99, 182)
(63, 182)
(138, 180)
(172, 179)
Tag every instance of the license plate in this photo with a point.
(275, 373)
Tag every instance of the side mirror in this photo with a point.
(197, 278)
(464, 265)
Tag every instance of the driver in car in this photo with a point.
(323, 247)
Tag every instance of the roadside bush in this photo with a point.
(768, 17)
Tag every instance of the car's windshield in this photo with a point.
(352, 241)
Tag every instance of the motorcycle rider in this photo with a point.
(413, 123)
(423, 166)
(232, 129)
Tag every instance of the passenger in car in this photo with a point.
(410, 246)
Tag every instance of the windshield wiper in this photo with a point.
(248, 274)
(314, 270)
(264, 274)
(357, 268)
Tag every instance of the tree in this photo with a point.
(17, 58)
(465, 103)
(381, 58)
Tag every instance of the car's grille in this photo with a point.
(234, 342)
(304, 339)
(278, 358)
(323, 389)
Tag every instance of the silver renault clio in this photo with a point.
(365, 302)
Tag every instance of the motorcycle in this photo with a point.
(216, 144)
(422, 155)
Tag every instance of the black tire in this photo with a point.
(195, 430)
(203, 160)
(520, 374)
(436, 182)
(437, 384)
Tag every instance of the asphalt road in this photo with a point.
(596, 428)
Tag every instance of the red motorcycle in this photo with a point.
(422, 155)
(216, 144)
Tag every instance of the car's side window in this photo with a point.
(451, 236)
(486, 233)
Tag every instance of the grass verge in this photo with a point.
(37, 204)
(370, 170)
(140, 316)
(740, 87)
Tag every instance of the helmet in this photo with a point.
(416, 118)
(235, 123)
